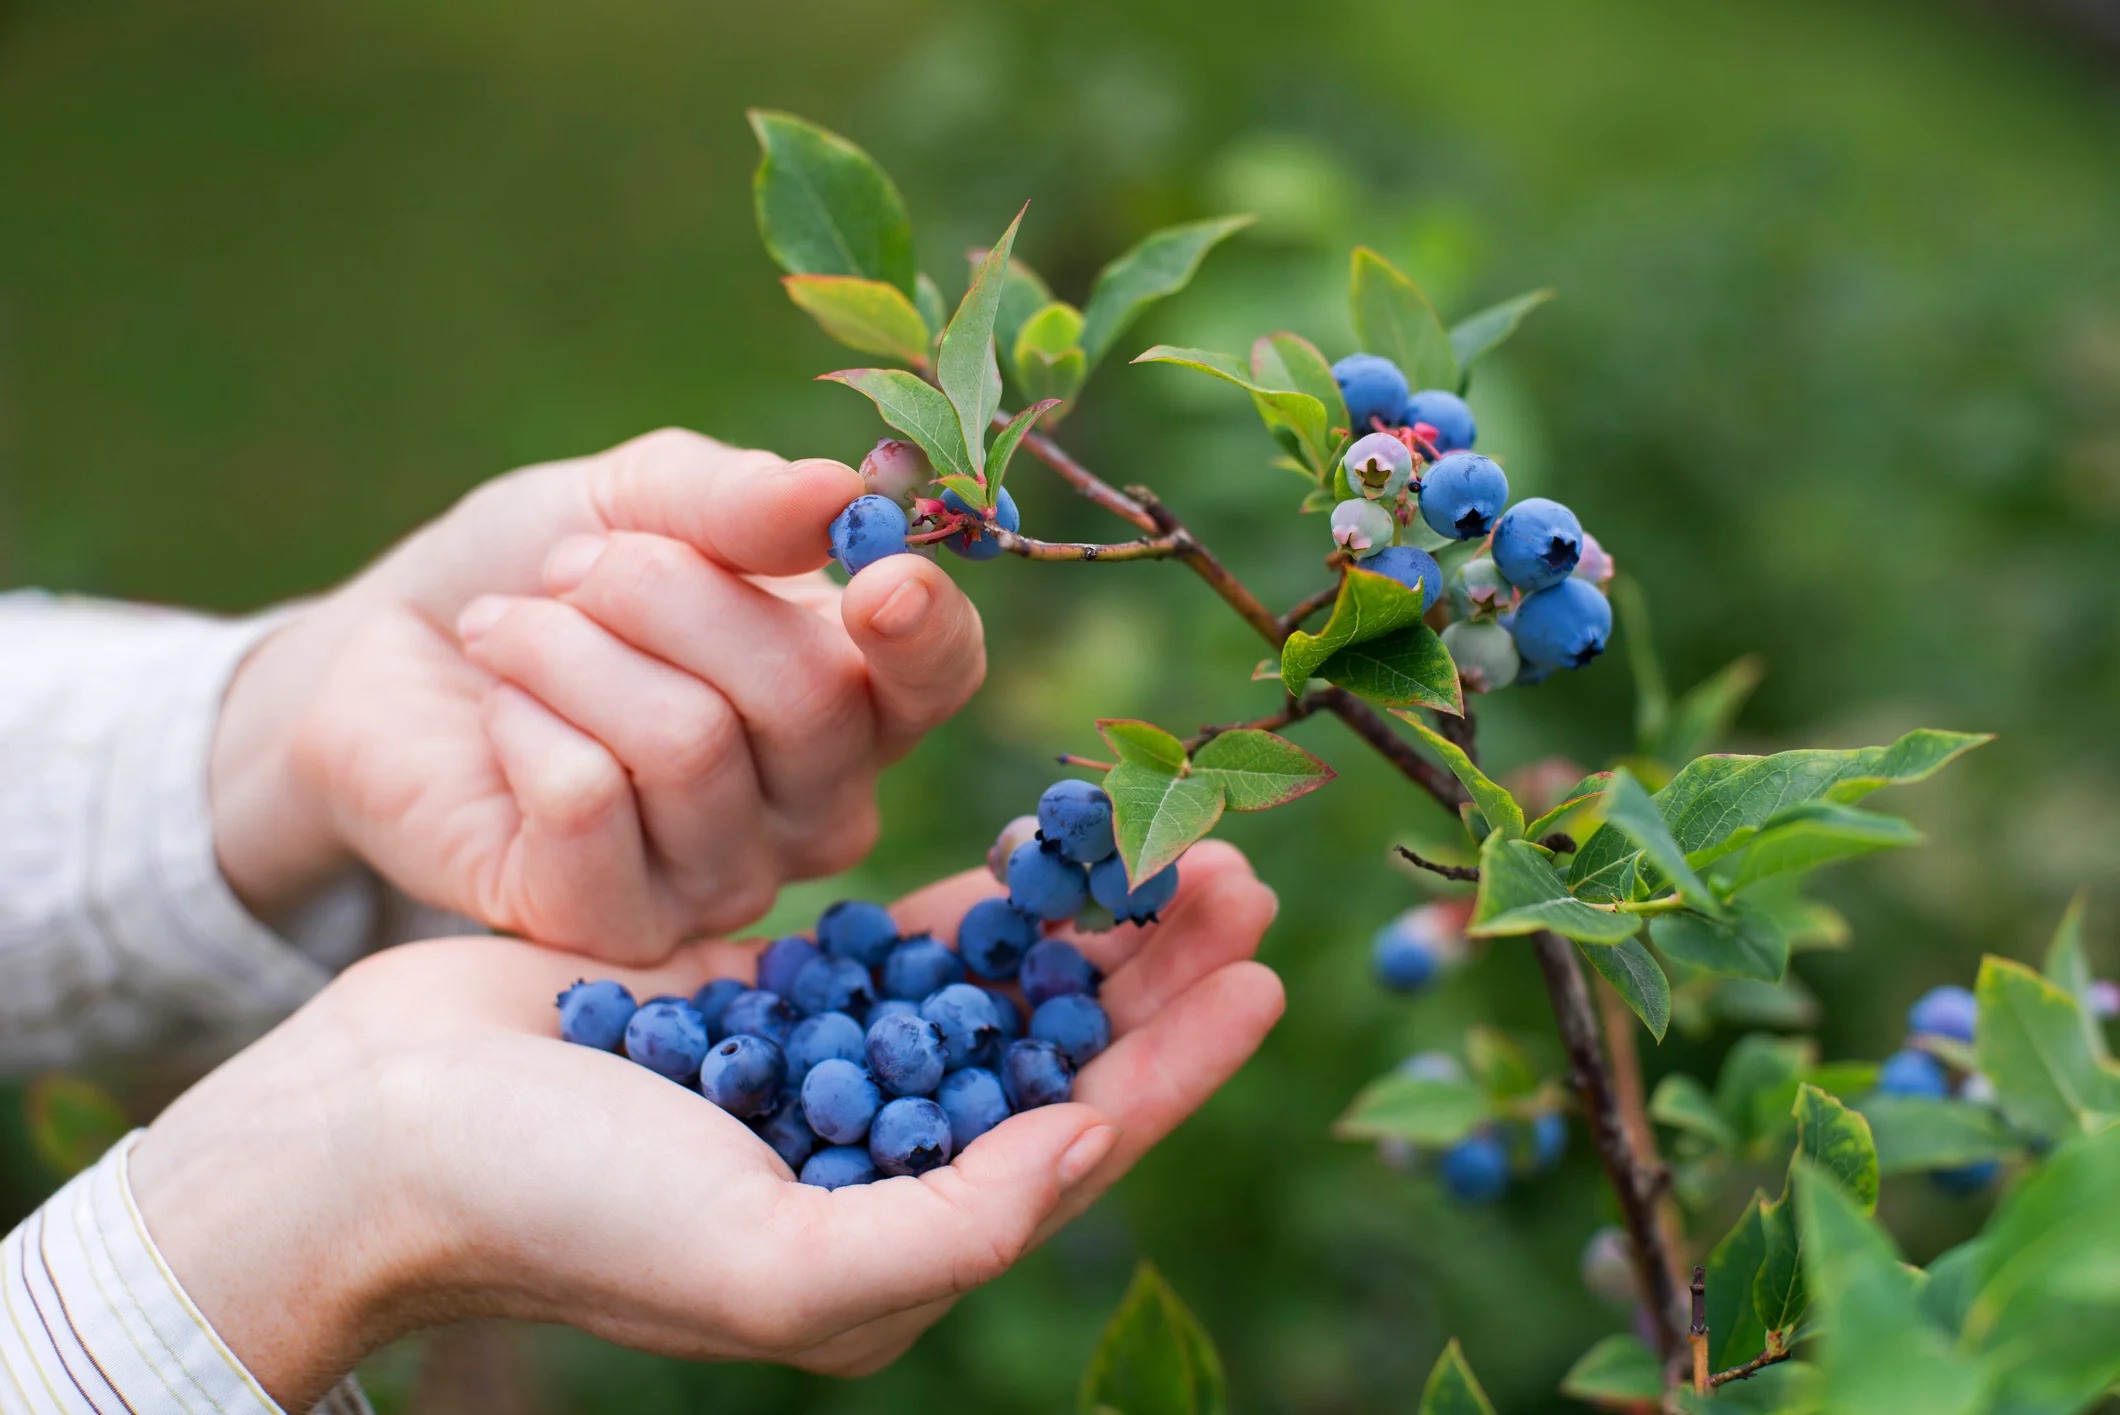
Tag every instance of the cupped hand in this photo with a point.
(416, 1145)
(608, 703)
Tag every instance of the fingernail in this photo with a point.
(480, 615)
(901, 616)
(570, 562)
(1088, 1151)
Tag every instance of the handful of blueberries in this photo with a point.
(862, 1052)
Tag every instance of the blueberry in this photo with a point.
(1402, 958)
(1007, 1016)
(713, 1000)
(668, 1036)
(1076, 817)
(890, 1007)
(781, 960)
(1372, 387)
(743, 1075)
(823, 1037)
(1475, 1169)
(895, 469)
(1966, 1180)
(918, 966)
(1607, 1268)
(906, 1055)
(994, 937)
(1446, 413)
(1912, 1073)
(1462, 494)
(964, 1014)
(1362, 528)
(1596, 563)
(1944, 1012)
(839, 1166)
(1549, 1139)
(839, 1099)
(1438, 1066)
(1035, 1073)
(1484, 652)
(855, 929)
(1537, 543)
(596, 1014)
(1379, 467)
(831, 984)
(760, 1014)
(872, 528)
(1044, 884)
(1074, 1023)
(974, 1102)
(1564, 626)
(1412, 567)
(982, 547)
(1107, 885)
(1053, 968)
(1481, 586)
(911, 1135)
(787, 1129)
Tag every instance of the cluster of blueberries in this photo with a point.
(862, 1052)
(877, 524)
(1533, 600)
(1479, 1168)
(1949, 1013)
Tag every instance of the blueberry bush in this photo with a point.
(1678, 875)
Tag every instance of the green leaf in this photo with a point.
(1734, 1331)
(1589, 789)
(1161, 265)
(1410, 667)
(1756, 1087)
(2069, 970)
(1500, 1064)
(1817, 833)
(965, 365)
(1154, 1358)
(1498, 806)
(1142, 744)
(914, 407)
(1684, 1104)
(1257, 770)
(1401, 1107)
(868, 315)
(1640, 982)
(1284, 360)
(1058, 376)
(967, 488)
(1479, 334)
(1393, 318)
(1629, 810)
(1833, 1141)
(71, 1122)
(1368, 606)
(1917, 1133)
(1704, 715)
(824, 207)
(2032, 1045)
(1520, 893)
(1023, 296)
(934, 310)
(1300, 413)
(1452, 1389)
(1746, 943)
(1045, 353)
(1005, 443)
(1618, 1369)
(1157, 816)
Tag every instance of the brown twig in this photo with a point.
(1294, 710)
(1772, 1356)
(1464, 873)
(1070, 759)
(1371, 728)
(1697, 1333)
(1163, 547)
(1628, 1091)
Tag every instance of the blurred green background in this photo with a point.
(1835, 373)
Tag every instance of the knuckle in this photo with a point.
(644, 569)
(690, 742)
(574, 792)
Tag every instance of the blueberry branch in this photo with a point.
(1465, 873)
(1162, 547)
(1295, 710)
(1774, 1355)
(1624, 1061)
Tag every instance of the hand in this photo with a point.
(417, 1146)
(607, 703)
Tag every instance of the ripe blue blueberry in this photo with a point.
(872, 528)
(1075, 1023)
(1402, 957)
(1475, 1169)
(984, 547)
(994, 937)
(910, 1135)
(1537, 543)
(890, 1007)
(668, 1036)
(974, 1102)
(1462, 494)
(1446, 413)
(1412, 567)
(823, 1037)
(856, 929)
(1372, 387)
(1035, 1073)
(1964, 1181)
(1362, 528)
(1912, 1073)
(781, 960)
(1007, 1016)
(713, 1000)
(1379, 467)
(1041, 882)
(1107, 885)
(760, 1014)
(787, 1130)
(1562, 626)
(839, 1099)
(832, 984)
(905, 1054)
(1076, 817)
(839, 1166)
(596, 1014)
(1054, 968)
(1549, 1139)
(1944, 1012)
(919, 966)
(743, 1075)
(1484, 653)
(964, 1014)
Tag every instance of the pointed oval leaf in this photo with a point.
(965, 363)
(824, 207)
(915, 408)
(1154, 1357)
(1477, 335)
(868, 315)
(1143, 744)
(1393, 318)
(1617, 1371)
(1734, 1331)
(1301, 415)
(1258, 770)
(1413, 1108)
(1743, 943)
(1368, 606)
(1589, 789)
(1639, 980)
(1005, 443)
(1629, 810)
(1452, 1389)
(1919, 1133)
(1045, 357)
(2032, 1044)
(1520, 893)
(1285, 360)
(1817, 833)
(1157, 816)
(1498, 806)
(1161, 265)
(1410, 668)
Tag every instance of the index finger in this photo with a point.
(743, 509)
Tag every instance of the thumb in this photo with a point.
(924, 645)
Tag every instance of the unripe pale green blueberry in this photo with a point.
(1361, 528)
(1484, 652)
(895, 469)
(1485, 590)
(1608, 1269)
(1020, 831)
(1379, 466)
